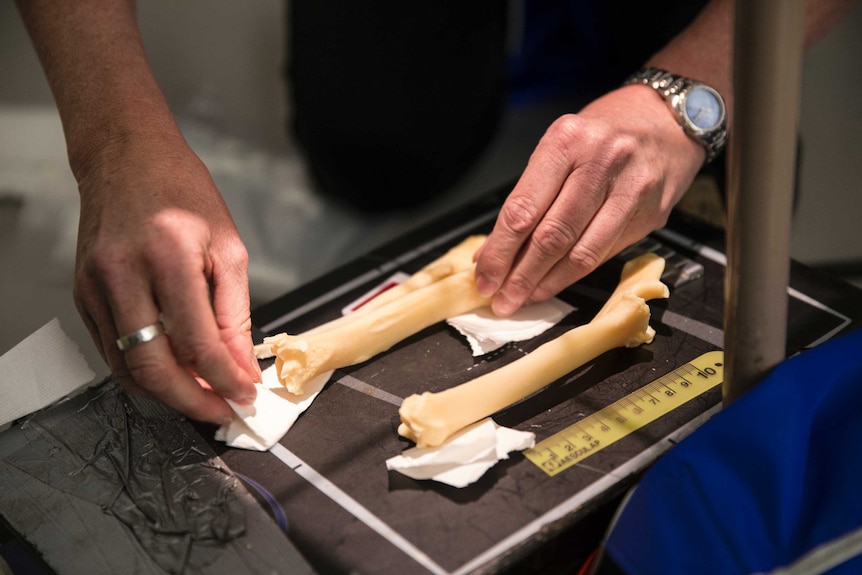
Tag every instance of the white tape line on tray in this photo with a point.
(355, 508)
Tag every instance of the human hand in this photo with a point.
(156, 240)
(597, 182)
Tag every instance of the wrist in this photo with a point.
(698, 108)
(663, 124)
(112, 140)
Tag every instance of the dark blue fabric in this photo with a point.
(562, 45)
(577, 48)
(773, 475)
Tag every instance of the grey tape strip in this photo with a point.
(362, 387)
(693, 327)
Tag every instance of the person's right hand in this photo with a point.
(598, 181)
(156, 240)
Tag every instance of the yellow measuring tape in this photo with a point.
(595, 432)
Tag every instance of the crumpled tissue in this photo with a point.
(486, 332)
(465, 457)
(262, 424)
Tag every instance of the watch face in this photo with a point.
(703, 107)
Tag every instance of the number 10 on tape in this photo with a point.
(595, 432)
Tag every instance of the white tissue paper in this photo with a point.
(262, 424)
(43, 368)
(486, 332)
(465, 457)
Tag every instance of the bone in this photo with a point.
(459, 258)
(640, 276)
(430, 419)
(298, 359)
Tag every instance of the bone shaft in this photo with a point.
(457, 259)
(496, 390)
(380, 329)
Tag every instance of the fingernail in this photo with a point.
(503, 306)
(485, 285)
(245, 399)
(255, 364)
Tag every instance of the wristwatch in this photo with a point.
(698, 108)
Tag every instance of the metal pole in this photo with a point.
(761, 169)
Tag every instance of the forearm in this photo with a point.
(94, 60)
(704, 50)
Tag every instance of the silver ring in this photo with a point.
(140, 336)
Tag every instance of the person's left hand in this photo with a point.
(597, 182)
(157, 245)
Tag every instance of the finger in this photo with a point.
(600, 241)
(96, 315)
(92, 326)
(133, 389)
(581, 197)
(231, 307)
(152, 366)
(182, 290)
(534, 193)
(154, 369)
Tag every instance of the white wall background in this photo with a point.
(217, 58)
(828, 220)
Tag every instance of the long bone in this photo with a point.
(300, 358)
(430, 419)
(457, 259)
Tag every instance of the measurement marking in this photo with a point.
(607, 426)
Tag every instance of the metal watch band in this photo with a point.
(671, 87)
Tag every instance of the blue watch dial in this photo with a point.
(703, 108)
